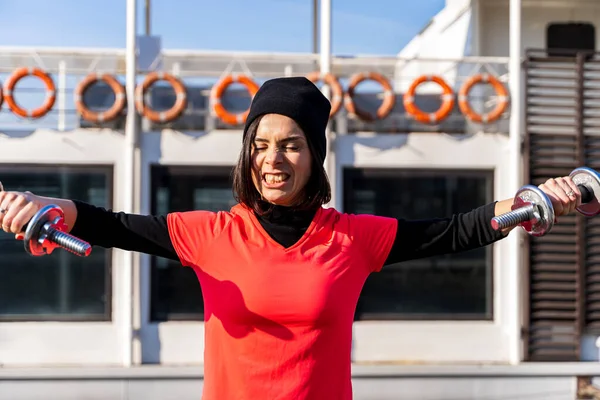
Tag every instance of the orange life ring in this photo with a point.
(389, 99)
(101, 116)
(219, 89)
(161, 116)
(11, 83)
(467, 110)
(434, 117)
(337, 93)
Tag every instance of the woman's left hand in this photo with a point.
(563, 193)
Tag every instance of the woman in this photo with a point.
(280, 274)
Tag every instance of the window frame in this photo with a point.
(196, 171)
(107, 316)
(394, 172)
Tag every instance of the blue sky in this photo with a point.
(380, 27)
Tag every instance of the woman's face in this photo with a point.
(281, 160)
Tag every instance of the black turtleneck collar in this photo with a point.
(285, 225)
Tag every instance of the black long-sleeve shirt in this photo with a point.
(414, 238)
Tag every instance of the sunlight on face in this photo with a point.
(281, 160)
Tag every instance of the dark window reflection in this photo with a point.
(455, 286)
(60, 286)
(176, 292)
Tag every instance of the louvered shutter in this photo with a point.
(554, 146)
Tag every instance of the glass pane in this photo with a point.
(457, 286)
(176, 292)
(61, 285)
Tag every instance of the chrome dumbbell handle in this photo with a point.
(532, 210)
(514, 217)
(68, 242)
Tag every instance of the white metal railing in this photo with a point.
(213, 64)
(201, 69)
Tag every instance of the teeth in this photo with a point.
(275, 178)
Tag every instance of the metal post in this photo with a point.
(147, 17)
(579, 221)
(325, 63)
(325, 45)
(315, 26)
(131, 137)
(513, 262)
(477, 28)
(62, 95)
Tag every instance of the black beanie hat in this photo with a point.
(299, 99)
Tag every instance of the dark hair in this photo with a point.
(316, 192)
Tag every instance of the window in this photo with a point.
(60, 286)
(448, 287)
(176, 293)
(565, 39)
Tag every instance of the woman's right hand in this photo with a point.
(17, 209)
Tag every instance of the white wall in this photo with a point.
(481, 27)
(495, 32)
(182, 342)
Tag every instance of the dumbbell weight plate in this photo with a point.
(543, 222)
(36, 245)
(589, 178)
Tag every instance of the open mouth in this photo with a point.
(275, 179)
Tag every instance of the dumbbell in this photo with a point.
(46, 231)
(533, 211)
